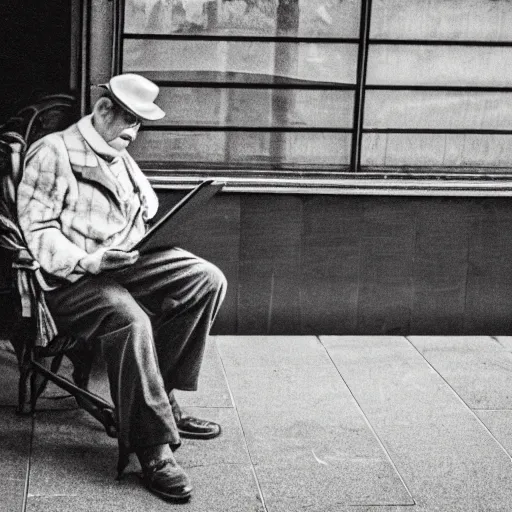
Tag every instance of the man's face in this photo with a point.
(121, 129)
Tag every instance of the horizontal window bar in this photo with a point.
(211, 128)
(260, 85)
(252, 39)
(440, 42)
(439, 131)
(460, 88)
(327, 40)
(216, 169)
(326, 86)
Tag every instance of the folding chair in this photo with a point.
(38, 346)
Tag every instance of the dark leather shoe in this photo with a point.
(167, 480)
(195, 428)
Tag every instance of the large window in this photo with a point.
(326, 88)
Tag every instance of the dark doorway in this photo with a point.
(34, 51)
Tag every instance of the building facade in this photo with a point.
(365, 145)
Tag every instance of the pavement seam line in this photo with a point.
(253, 469)
(370, 426)
(490, 410)
(29, 463)
(460, 398)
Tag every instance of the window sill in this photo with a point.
(395, 184)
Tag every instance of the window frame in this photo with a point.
(354, 179)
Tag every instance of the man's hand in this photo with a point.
(108, 259)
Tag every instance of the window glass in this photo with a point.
(307, 18)
(265, 150)
(438, 109)
(453, 151)
(484, 20)
(256, 107)
(306, 61)
(238, 97)
(439, 65)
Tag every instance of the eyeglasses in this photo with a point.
(129, 118)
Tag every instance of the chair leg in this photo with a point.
(21, 342)
(38, 383)
(123, 459)
(33, 391)
(23, 384)
(30, 387)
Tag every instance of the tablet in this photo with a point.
(187, 207)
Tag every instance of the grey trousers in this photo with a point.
(149, 323)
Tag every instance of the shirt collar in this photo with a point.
(98, 144)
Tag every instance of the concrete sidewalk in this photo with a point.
(324, 424)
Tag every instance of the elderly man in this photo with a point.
(82, 204)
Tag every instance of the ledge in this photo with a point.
(475, 185)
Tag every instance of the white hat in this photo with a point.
(136, 94)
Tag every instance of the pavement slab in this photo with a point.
(308, 440)
(226, 488)
(317, 487)
(477, 367)
(15, 435)
(71, 453)
(271, 351)
(499, 423)
(446, 456)
(329, 424)
(228, 448)
(73, 467)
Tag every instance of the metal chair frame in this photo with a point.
(40, 364)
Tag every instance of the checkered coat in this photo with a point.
(69, 203)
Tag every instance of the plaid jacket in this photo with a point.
(69, 203)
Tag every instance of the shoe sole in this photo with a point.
(171, 497)
(197, 435)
